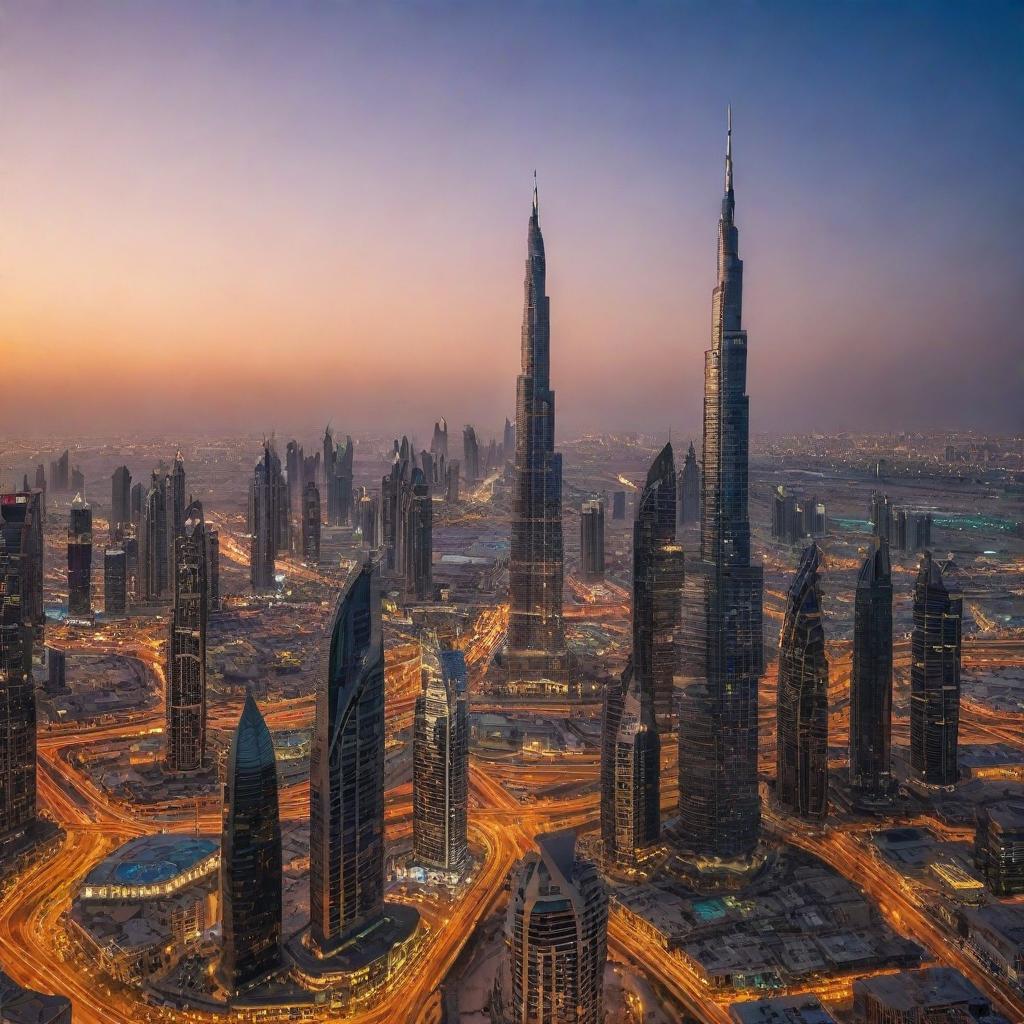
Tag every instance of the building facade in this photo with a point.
(115, 582)
(689, 489)
(80, 558)
(592, 539)
(311, 523)
(346, 787)
(801, 756)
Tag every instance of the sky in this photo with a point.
(253, 216)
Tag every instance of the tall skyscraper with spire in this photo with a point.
(536, 636)
(250, 864)
(688, 506)
(80, 558)
(719, 805)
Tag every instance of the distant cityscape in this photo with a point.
(531, 730)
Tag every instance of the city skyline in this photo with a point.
(194, 223)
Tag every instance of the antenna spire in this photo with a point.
(728, 150)
(536, 201)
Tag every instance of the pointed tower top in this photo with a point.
(79, 501)
(536, 199)
(728, 150)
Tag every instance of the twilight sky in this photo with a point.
(259, 216)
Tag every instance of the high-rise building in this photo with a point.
(618, 505)
(267, 498)
(56, 670)
(186, 649)
(935, 677)
(293, 462)
(801, 756)
(339, 484)
(451, 482)
(346, 776)
(536, 636)
(311, 524)
(470, 455)
(912, 530)
(439, 440)
(21, 524)
(212, 570)
(115, 582)
(60, 475)
(556, 932)
(630, 770)
(689, 489)
(871, 676)
(508, 441)
(80, 558)
(658, 571)
(155, 542)
(17, 691)
(369, 520)
(20, 1005)
(77, 480)
(120, 503)
(999, 847)
(394, 507)
(440, 758)
(177, 497)
(592, 539)
(418, 521)
(881, 513)
(250, 859)
(719, 805)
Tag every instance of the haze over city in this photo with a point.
(321, 207)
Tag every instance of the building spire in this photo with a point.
(536, 201)
(728, 150)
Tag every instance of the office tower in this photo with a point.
(935, 677)
(60, 477)
(262, 521)
(41, 486)
(212, 570)
(77, 480)
(536, 638)
(311, 524)
(115, 582)
(250, 859)
(689, 489)
(819, 519)
(630, 770)
(801, 756)
(440, 759)
(393, 490)
(369, 519)
(508, 441)
(719, 805)
(439, 440)
(418, 519)
(618, 505)
(912, 530)
(130, 547)
(492, 461)
(155, 554)
(186, 649)
(329, 457)
(787, 517)
(293, 462)
(56, 670)
(451, 482)
(428, 467)
(556, 931)
(881, 516)
(339, 483)
(346, 775)
(658, 570)
(20, 1005)
(999, 847)
(137, 498)
(120, 503)
(80, 557)
(176, 491)
(17, 691)
(871, 676)
(470, 455)
(21, 524)
(592, 539)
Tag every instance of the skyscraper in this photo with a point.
(339, 484)
(440, 757)
(802, 713)
(346, 777)
(536, 638)
(177, 497)
(21, 523)
(394, 507)
(719, 806)
(264, 494)
(293, 463)
(689, 489)
(369, 520)
(212, 570)
(311, 524)
(439, 440)
(935, 677)
(658, 570)
(120, 502)
(115, 582)
(871, 676)
(186, 649)
(418, 520)
(508, 441)
(250, 859)
(556, 931)
(155, 555)
(470, 455)
(80, 557)
(592, 539)
(17, 691)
